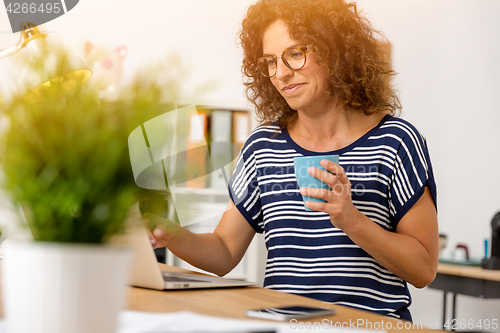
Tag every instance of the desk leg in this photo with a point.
(444, 307)
(453, 311)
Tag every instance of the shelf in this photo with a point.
(202, 191)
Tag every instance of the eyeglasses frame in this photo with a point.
(304, 49)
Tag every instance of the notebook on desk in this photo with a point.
(147, 274)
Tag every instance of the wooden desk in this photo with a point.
(465, 280)
(234, 302)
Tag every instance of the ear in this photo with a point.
(88, 48)
(122, 51)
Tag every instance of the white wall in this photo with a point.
(447, 54)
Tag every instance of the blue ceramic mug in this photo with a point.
(304, 179)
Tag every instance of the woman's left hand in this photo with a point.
(338, 205)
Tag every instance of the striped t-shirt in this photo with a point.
(388, 168)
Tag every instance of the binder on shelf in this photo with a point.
(241, 129)
(220, 155)
(197, 150)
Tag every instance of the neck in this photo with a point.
(330, 129)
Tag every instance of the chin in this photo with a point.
(294, 105)
(297, 106)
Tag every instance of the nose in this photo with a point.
(282, 70)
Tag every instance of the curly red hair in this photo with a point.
(357, 66)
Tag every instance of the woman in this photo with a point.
(321, 86)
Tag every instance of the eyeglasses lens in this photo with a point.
(265, 65)
(294, 58)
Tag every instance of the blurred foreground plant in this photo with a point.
(66, 160)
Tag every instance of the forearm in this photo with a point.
(401, 254)
(205, 251)
(218, 252)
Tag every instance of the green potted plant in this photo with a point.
(65, 160)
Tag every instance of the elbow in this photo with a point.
(221, 273)
(425, 277)
(223, 270)
(423, 283)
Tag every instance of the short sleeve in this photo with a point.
(244, 189)
(412, 172)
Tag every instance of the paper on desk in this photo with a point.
(190, 322)
(185, 322)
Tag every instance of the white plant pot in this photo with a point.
(63, 287)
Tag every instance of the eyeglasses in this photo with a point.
(294, 58)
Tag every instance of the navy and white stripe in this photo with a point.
(388, 168)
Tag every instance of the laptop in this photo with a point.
(145, 270)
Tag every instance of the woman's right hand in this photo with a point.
(160, 230)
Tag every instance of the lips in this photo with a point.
(291, 88)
